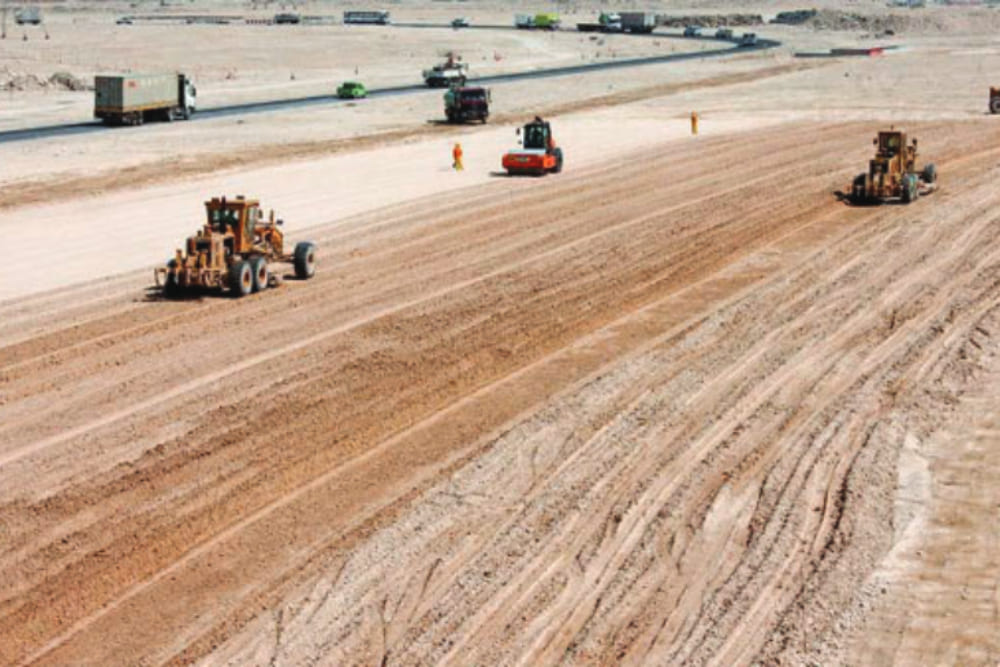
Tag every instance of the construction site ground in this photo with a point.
(679, 404)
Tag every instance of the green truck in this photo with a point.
(547, 21)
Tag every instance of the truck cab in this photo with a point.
(187, 96)
(464, 103)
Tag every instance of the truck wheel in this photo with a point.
(261, 275)
(995, 105)
(929, 174)
(559, 161)
(305, 260)
(240, 279)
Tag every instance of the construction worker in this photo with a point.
(456, 157)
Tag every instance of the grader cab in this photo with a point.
(892, 174)
(234, 250)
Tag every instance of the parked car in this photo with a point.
(124, 20)
(352, 90)
(692, 31)
(724, 33)
(460, 22)
(748, 39)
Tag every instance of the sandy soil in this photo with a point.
(677, 405)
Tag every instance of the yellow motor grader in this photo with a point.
(234, 251)
(892, 174)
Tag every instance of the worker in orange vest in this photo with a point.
(456, 157)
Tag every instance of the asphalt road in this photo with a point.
(69, 129)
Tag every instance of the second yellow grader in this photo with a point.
(892, 174)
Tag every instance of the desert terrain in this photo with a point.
(678, 404)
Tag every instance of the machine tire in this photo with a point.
(240, 279)
(929, 174)
(559, 161)
(858, 189)
(261, 274)
(995, 105)
(305, 260)
(171, 288)
(910, 191)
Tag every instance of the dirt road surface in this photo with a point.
(649, 411)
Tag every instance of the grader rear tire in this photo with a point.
(261, 274)
(241, 279)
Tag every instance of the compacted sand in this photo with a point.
(679, 404)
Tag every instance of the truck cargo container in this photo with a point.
(547, 21)
(638, 22)
(131, 99)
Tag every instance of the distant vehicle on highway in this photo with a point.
(131, 99)
(460, 22)
(352, 90)
(724, 33)
(748, 39)
(27, 15)
(374, 17)
(637, 22)
(124, 20)
(692, 31)
(287, 17)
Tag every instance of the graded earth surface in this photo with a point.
(678, 404)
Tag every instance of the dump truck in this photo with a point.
(462, 104)
(638, 22)
(452, 72)
(994, 100)
(234, 251)
(537, 154)
(892, 174)
(131, 99)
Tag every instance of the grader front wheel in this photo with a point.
(305, 260)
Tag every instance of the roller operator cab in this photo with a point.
(538, 153)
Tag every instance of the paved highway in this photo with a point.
(68, 129)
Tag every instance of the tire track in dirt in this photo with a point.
(501, 626)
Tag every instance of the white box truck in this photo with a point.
(131, 99)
